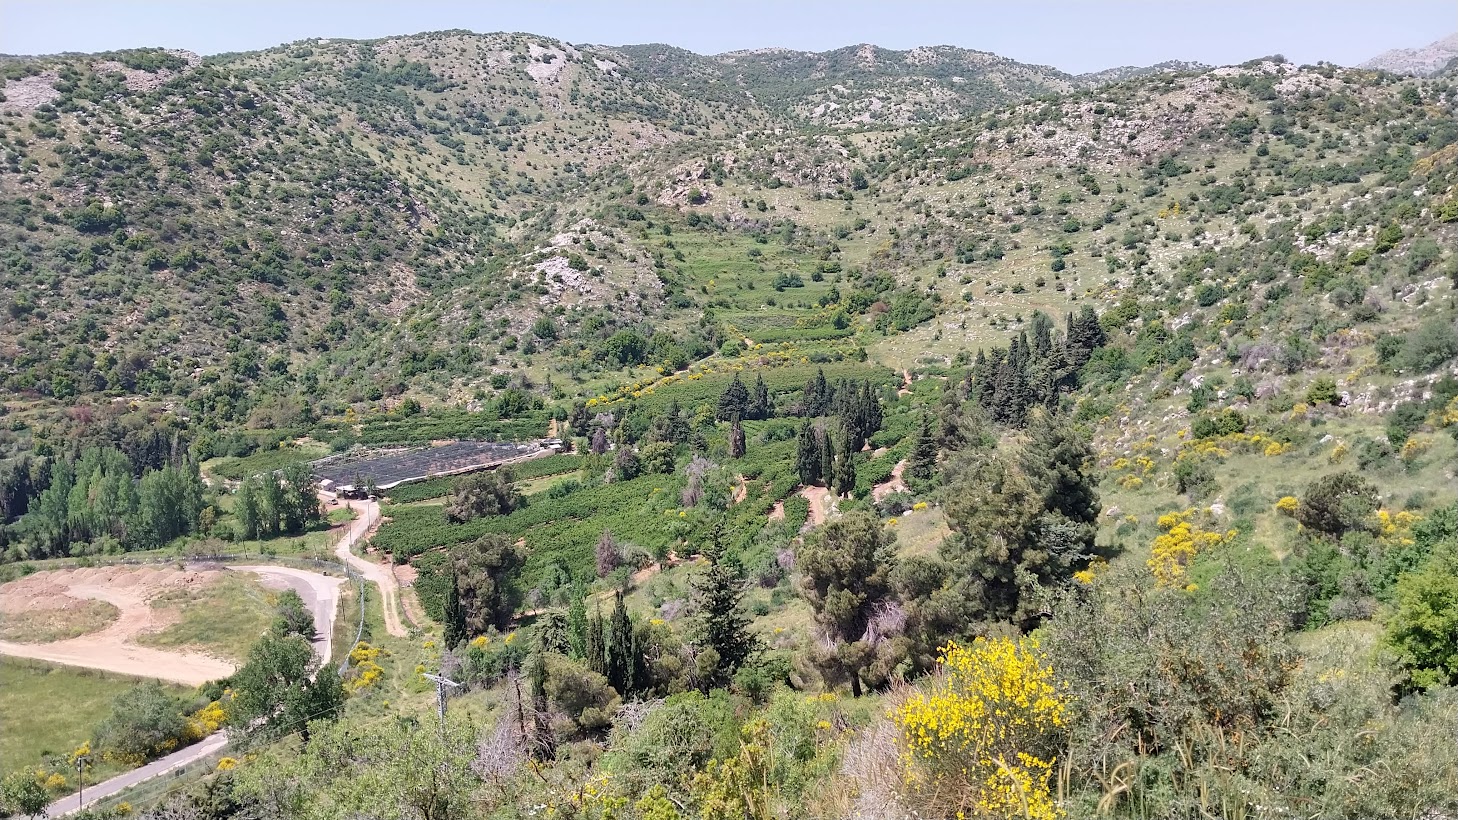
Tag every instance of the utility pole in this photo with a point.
(81, 761)
(441, 682)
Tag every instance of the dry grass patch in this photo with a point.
(70, 619)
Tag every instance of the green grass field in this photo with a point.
(48, 711)
(263, 461)
(224, 618)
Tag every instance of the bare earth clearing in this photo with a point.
(130, 591)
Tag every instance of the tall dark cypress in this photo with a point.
(845, 465)
(577, 628)
(596, 645)
(619, 654)
(759, 403)
(455, 616)
(827, 456)
(807, 454)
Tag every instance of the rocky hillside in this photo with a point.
(445, 215)
(1426, 61)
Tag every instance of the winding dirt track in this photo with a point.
(367, 517)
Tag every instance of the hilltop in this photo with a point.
(1427, 61)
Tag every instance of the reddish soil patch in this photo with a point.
(894, 484)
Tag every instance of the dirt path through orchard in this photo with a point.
(366, 519)
(822, 505)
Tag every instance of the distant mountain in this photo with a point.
(1129, 72)
(855, 85)
(1427, 61)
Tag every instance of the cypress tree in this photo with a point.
(455, 616)
(620, 652)
(845, 466)
(827, 456)
(734, 401)
(577, 624)
(759, 406)
(596, 649)
(922, 461)
(736, 439)
(807, 454)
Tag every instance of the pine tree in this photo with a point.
(736, 439)
(734, 401)
(1060, 462)
(1085, 335)
(760, 407)
(922, 461)
(807, 454)
(455, 616)
(720, 623)
(846, 569)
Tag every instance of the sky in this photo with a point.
(1068, 34)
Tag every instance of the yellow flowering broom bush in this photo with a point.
(1177, 546)
(976, 744)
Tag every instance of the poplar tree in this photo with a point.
(247, 510)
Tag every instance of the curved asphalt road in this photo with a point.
(320, 594)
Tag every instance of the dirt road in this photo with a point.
(110, 649)
(130, 589)
(894, 484)
(320, 594)
(367, 517)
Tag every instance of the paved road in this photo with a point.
(367, 516)
(176, 760)
(320, 594)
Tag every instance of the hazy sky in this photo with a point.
(1074, 36)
